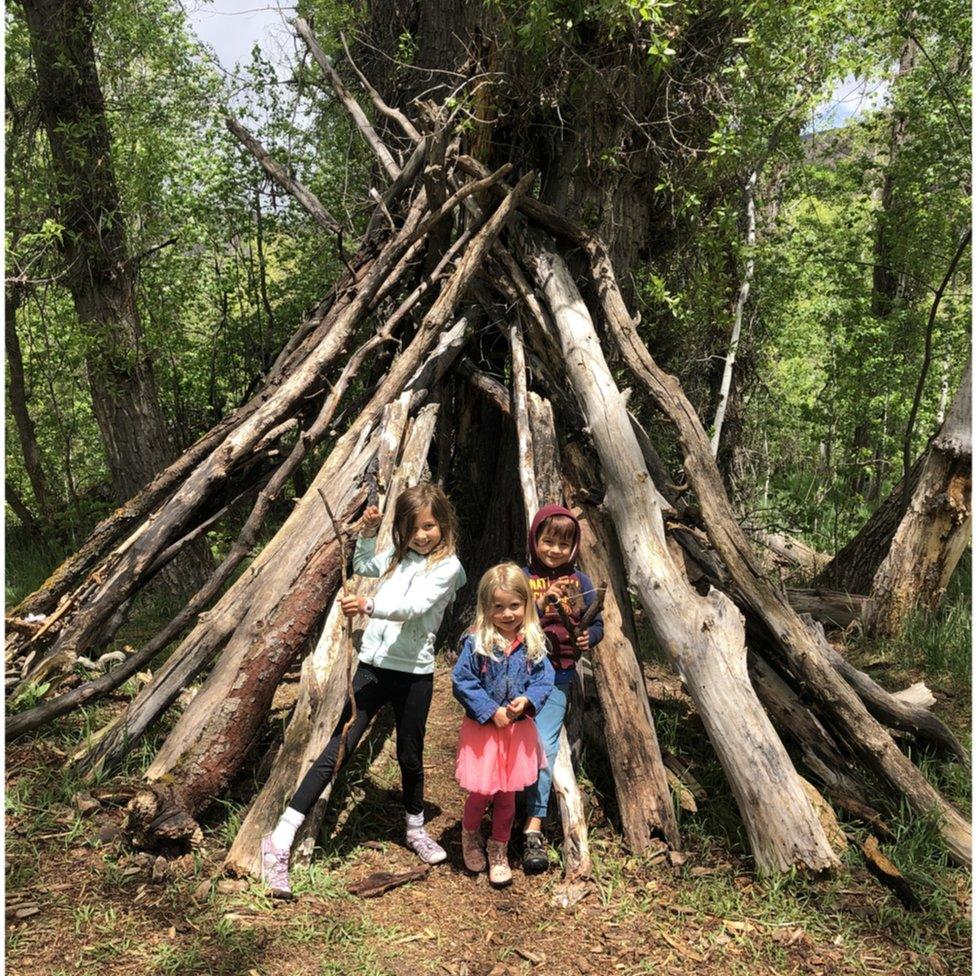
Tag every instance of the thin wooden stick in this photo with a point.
(277, 172)
(381, 106)
(352, 106)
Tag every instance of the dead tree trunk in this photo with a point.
(639, 776)
(935, 529)
(704, 637)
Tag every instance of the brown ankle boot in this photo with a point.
(473, 850)
(499, 873)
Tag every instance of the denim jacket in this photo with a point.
(483, 685)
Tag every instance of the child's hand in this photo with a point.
(555, 591)
(583, 641)
(501, 719)
(371, 521)
(352, 606)
(516, 706)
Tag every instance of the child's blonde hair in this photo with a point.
(506, 576)
(410, 503)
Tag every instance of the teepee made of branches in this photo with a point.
(463, 276)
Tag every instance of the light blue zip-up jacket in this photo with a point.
(408, 607)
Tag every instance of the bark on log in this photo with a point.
(641, 782)
(835, 608)
(322, 691)
(793, 639)
(523, 431)
(704, 637)
(935, 529)
(821, 753)
(793, 554)
(247, 537)
(545, 449)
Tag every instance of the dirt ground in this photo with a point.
(79, 901)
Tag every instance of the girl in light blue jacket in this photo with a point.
(419, 578)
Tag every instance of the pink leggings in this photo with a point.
(503, 813)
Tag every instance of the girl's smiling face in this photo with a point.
(507, 612)
(426, 533)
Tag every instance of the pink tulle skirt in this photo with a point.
(491, 759)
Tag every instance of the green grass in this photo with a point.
(28, 565)
(940, 643)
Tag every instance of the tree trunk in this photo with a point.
(639, 776)
(725, 389)
(18, 405)
(21, 510)
(854, 567)
(100, 272)
(936, 528)
(703, 637)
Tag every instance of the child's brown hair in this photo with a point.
(560, 527)
(409, 505)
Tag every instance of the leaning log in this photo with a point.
(703, 637)
(895, 711)
(640, 779)
(322, 690)
(576, 846)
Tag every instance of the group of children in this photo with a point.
(512, 677)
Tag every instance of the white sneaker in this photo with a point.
(426, 848)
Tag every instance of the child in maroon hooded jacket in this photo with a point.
(554, 539)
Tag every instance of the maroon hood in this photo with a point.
(536, 565)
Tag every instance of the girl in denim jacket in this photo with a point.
(502, 678)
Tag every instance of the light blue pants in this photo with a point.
(548, 723)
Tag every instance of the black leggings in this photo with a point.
(410, 696)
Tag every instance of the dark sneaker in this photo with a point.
(534, 857)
